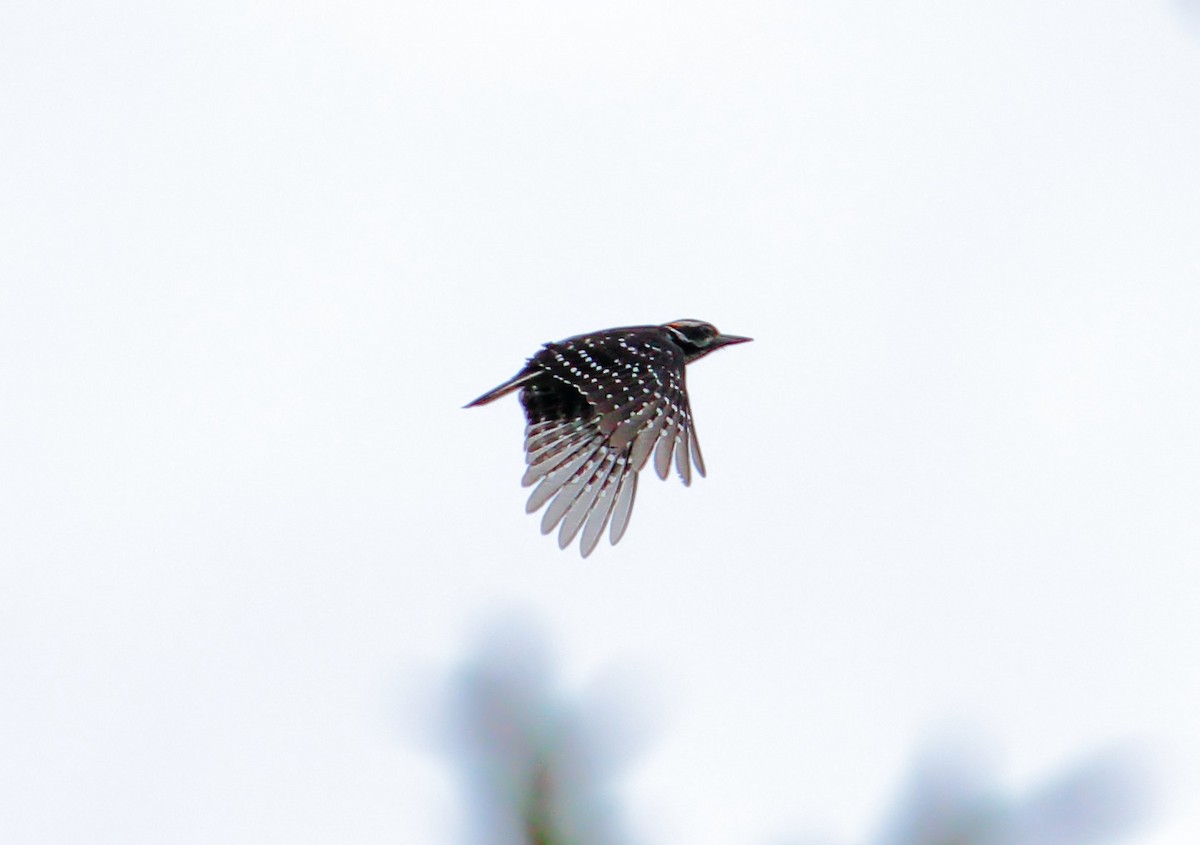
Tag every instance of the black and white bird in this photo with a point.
(597, 406)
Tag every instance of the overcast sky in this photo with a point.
(255, 257)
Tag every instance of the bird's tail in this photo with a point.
(519, 380)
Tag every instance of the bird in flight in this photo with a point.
(597, 406)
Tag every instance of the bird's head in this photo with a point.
(698, 338)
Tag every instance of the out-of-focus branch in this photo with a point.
(951, 799)
(532, 759)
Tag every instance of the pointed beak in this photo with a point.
(730, 339)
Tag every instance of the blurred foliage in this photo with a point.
(952, 799)
(538, 765)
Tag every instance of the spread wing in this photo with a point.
(600, 407)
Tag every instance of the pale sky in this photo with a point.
(255, 257)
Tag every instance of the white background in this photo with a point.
(253, 259)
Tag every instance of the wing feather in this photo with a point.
(643, 444)
(542, 437)
(572, 489)
(551, 459)
(623, 507)
(697, 458)
(666, 445)
(585, 501)
(683, 460)
(602, 509)
(554, 482)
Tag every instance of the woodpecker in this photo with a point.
(596, 407)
